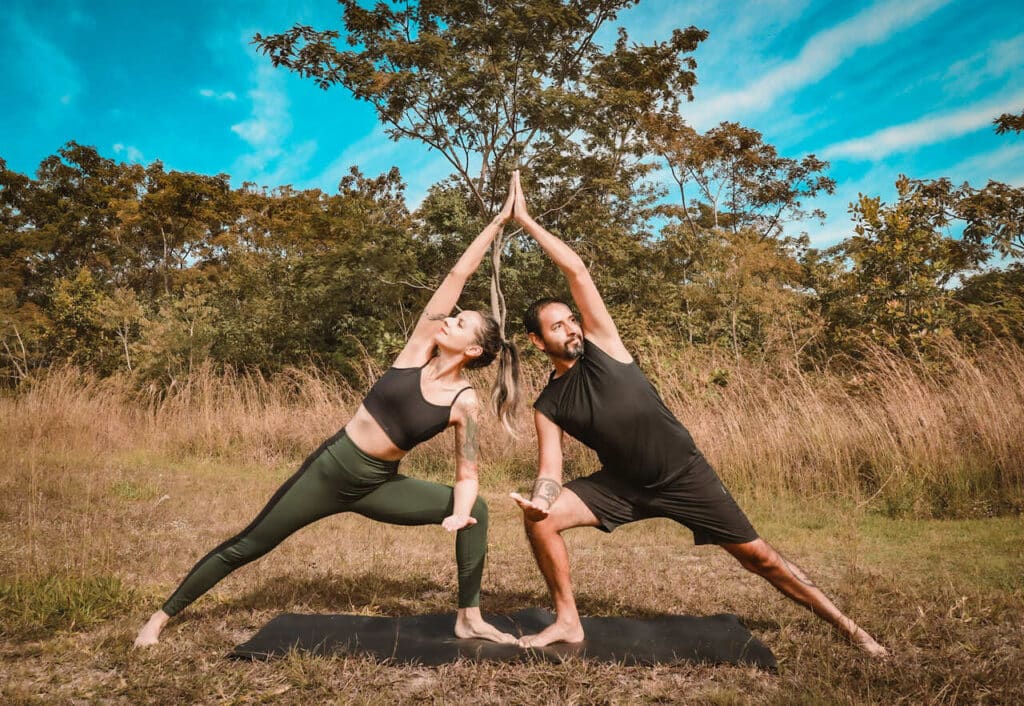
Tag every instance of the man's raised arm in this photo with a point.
(598, 325)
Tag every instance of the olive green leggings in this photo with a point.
(338, 477)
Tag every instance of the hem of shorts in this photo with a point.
(710, 539)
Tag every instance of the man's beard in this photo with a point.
(573, 350)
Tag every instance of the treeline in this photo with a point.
(115, 266)
(126, 267)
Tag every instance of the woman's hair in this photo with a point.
(505, 391)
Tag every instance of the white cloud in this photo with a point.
(223, 96)
(998, 59)
(819, 57)
(1005, 164)
(925, 131)
(270, 122)
(271, 160)
(132, 154)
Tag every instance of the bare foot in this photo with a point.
(469, 624)
(868, 644)
(556, 632)
(150, 632)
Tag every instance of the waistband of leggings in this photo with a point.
(344, 449)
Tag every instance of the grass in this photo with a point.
(107, 497)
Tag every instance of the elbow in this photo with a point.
(460, 274)
(576, 269)
(467, 471)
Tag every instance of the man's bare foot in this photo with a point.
(150, 632)
(556, 632)
(470, 624)
(868, 644)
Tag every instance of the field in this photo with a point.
(899, 492)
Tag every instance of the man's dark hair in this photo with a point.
(531, 319)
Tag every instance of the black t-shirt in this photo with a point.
(613, 408)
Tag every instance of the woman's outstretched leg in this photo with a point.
(410, 501)
(307, 496)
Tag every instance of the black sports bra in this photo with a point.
(396, 402)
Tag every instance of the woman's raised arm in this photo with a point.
(447, 295)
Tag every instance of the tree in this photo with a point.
(890, 282)
(493, 85)
(1008, 122)
(740, 180)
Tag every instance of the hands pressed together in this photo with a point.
(514, 207)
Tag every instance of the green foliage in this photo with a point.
(992, 305)
(129, 268)
(891, 283)
(34, 607)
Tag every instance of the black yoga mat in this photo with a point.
(429, 639)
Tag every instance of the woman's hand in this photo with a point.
(506, 210)
(453, 523)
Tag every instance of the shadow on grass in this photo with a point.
(379, 593)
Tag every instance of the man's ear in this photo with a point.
(537, 341)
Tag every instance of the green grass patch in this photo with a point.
(35, 607)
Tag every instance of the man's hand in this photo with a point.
(521, 213)
(453, 523)
(535, 510)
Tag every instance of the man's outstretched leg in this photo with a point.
(553, 561)
(761, 558)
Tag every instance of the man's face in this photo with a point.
(561, 334)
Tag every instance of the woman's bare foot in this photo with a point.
(556, 632)
(150, 632)
(469, 623)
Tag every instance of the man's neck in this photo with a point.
(562, 365)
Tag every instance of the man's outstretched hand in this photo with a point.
(533, 510)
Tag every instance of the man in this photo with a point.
(650, 465)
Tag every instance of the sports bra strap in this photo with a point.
(468, 387)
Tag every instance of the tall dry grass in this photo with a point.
(894, 436)
(108, 494)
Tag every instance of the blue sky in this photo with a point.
(878, 89)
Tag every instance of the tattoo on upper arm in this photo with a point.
(546, 489)
(436, 317)
(470, 443)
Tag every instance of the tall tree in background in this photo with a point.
(724, 252)
(492, 85)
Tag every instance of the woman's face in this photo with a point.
(460, 333)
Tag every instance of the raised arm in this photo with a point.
(598, 325)
(419, 346)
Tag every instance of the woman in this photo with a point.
(422, 394)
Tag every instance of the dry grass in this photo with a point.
(106, 499)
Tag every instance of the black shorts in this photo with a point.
(696, 499)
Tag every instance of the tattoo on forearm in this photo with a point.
(795, 570)
(546, 489)
(470, 445)
(436, 317)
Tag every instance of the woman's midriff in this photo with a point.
(365, 432)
